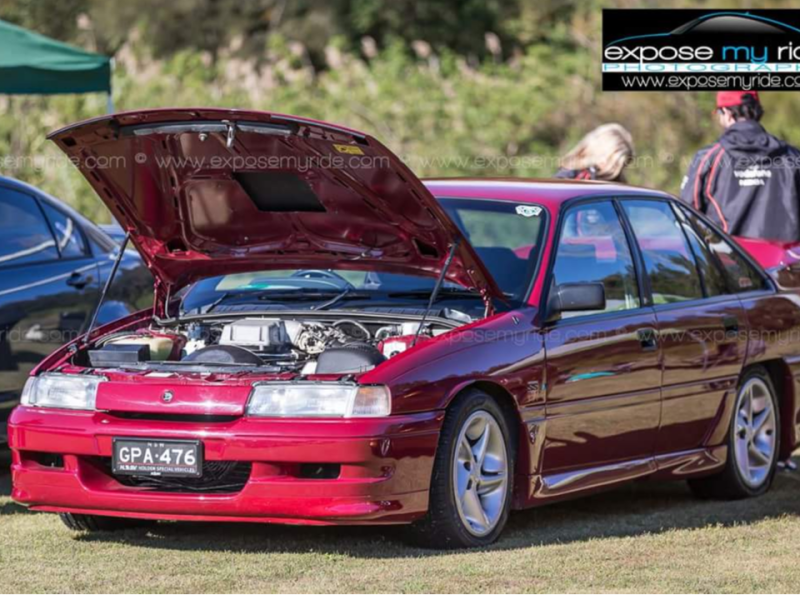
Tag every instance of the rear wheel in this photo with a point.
(77, 522)
(471, 487)
(753, 443)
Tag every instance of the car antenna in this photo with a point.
(436, 288)
(106, 287)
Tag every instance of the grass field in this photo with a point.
(648, 537)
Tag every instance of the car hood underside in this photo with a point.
(205, 192)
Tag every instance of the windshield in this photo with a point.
(506, 236)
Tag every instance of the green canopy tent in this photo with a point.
(34, 64)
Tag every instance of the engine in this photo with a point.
(263, 345)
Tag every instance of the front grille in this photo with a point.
(219, 477)
(174, 417)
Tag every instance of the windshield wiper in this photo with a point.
(285, 295)
(349, 293)
(301, 294)
(443, 293)
(216, 302)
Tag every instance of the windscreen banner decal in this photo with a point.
(527, 210)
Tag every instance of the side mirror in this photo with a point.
(575, 296)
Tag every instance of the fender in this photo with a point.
(65, 352)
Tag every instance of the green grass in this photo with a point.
(647, 537)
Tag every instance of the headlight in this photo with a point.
(53, 390)
(310, 399)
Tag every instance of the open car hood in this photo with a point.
(206, 192)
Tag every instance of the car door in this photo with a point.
(48, 286)
(701, 325)
(603, 368)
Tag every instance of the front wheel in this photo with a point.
(472, 481)
(753, 443)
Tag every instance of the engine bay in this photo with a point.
(304, 346)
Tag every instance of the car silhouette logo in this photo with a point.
(723, 22)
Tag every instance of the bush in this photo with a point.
(442, 115)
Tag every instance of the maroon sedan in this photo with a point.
(335, 342)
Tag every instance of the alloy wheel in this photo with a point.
(480, 473)
(755, 440)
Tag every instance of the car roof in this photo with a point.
(551, 193)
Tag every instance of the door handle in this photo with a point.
(731, 325)
(79, 280)
(648, 338)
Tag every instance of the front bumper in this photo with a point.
(384, 464)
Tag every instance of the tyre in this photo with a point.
(753, 443)
(473, 474)
(77, 522)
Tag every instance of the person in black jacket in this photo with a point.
(747, 182)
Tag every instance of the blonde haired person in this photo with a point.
(603, 153)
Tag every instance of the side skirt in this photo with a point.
(678, 465)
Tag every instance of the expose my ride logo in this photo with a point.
(688, 50)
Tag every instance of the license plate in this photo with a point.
(173, 458)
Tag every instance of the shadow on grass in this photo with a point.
(10, 508)
(6, 506)
(635, 510)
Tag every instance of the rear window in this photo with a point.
(668, 259)
(742, 275)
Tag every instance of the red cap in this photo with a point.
(725, 99)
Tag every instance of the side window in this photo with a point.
(68, 236)
(710, 270)
(742, 276)
(593, 247)
(24, 234)
(669, 261)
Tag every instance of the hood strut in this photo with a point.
(107, 286)
(437, 287)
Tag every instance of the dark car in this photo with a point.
(53, 263)
(114, 231)
(337, 342)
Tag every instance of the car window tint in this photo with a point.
(669, 261)
(68, 236)
(593, 248)
(742, 276)
(24, 234)
(710, 269)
